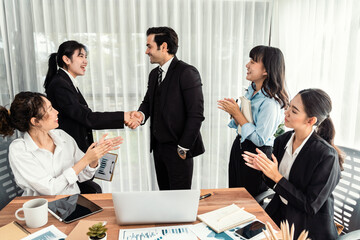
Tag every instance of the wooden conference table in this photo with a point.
(220, 198)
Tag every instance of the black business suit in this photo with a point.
(76, 118)
(175, 108)
(312, 179)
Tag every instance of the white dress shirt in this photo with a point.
(73, 80)
(165, 68)
(40, 172)
(289, 159)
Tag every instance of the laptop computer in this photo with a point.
(156, 206)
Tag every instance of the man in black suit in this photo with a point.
(174, 101)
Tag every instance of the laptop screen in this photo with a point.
(156, 206)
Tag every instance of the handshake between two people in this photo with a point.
(133, 119)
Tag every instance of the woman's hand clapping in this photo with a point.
(99, 149)
(262, 163)
(229, 105)
(115, 141)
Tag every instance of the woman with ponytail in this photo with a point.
(75, 117)
(45, 160)
(305, 167)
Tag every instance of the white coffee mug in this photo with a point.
(35, 212)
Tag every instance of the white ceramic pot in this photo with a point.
(104, 238)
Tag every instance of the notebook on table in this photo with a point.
(223, 219)
(156, 206)
(13, 231)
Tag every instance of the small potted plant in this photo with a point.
(97, 232)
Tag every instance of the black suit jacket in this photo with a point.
(181, 105)
(75, 117)
(312, 179)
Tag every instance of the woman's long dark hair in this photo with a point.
(56, 59)
(25, 106)
(274, 63)
(317, 103)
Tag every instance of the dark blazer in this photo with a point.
(312, 179)
(75, 117)
(181, 105)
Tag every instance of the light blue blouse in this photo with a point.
(267, 115)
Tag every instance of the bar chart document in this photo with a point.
(157, 233)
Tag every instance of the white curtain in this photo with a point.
(214, 35)
(319, 38)
(321, 43)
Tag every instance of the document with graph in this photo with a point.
(107, 166)
(158, 233)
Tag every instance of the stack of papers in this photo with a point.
(225, 218)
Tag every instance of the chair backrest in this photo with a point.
(347, 192)
(8, 187)
(350, 236)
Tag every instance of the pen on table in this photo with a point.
(205, 196)
(55, 215)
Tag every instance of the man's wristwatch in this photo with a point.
(181, 152)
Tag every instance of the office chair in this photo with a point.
(264, 198)
(354, 235)
(8, 187)
(347, 193)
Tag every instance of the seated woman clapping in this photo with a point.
(45, 160)
(305, 167)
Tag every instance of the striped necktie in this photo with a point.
(160, 71)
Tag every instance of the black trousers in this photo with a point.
(240, 175)
(172, 172)
(280, 214)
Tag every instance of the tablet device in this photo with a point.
(72, 208)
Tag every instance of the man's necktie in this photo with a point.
(160, 71)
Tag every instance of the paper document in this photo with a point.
(158, 233)
(225, 218)
(107, 165)
(204, 232)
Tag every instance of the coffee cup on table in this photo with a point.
(35, 212)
